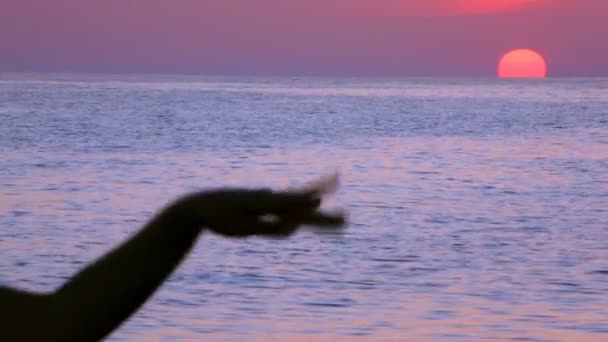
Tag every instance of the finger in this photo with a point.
(323, 186)
(318, 218)
(254, 202)
(261, 203)
(240, 227)
(325, 220)
(279, 229)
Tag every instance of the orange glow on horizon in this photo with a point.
(492, 6)
(522, 63)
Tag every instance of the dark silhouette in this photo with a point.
(104, 294)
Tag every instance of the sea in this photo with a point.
(478, 208)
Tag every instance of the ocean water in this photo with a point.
(479, 207)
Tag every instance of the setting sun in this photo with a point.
(522, 63)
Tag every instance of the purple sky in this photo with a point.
(312, 37)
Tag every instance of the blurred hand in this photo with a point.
(246, 212)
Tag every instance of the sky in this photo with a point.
(312, 37)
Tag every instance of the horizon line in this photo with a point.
(286, 75)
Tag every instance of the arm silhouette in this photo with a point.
(104, 294)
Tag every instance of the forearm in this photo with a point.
(23, 315)
(100, 297)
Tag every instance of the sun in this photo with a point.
(522, 63)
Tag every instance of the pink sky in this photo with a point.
(312, 37)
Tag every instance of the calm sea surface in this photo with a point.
(479, 208)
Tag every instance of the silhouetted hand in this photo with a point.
(246, 212)
(105, 293)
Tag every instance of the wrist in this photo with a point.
(184, 213)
